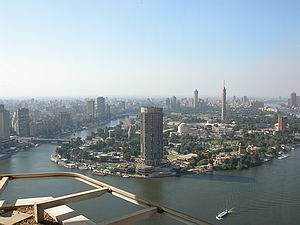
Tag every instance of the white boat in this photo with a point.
(70, 166)
(84, 167)
(283, 156)
(36, 145)
(223, 214)
(98, 172)
(266, 159)
(54, 158)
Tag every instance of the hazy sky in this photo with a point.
(149, 47)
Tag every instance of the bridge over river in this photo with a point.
(44, 140)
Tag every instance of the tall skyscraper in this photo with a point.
(196, 99)
(22, 122)
(101, 108)
(90, 109)
(107, 112)
(14, 121)
(293, 100)
(151, 135)
(223, 110)
(174, 103)
(168, 103)
(4, 123)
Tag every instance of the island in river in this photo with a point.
(115, 151)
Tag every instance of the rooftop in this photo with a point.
(54, 210)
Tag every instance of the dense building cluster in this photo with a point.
(163, 137)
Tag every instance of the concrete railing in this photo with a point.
(101, 188)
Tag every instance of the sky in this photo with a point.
(149, 47)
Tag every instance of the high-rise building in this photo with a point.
(90, 109)
(107, 112)
(281, 123)
(168, 103)
(173, 103)
(293, 100)
(223, 110)
(196, 99)
(14, 121)
(101, 108)
(4, 123)
(151, 135)
(245, 100)
(22, 122)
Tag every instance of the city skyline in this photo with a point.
(149, 48)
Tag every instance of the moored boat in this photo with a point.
(70, 166)
(283, 156)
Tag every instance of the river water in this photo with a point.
(265, 195)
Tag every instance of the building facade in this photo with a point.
(168, 103)
(223, 107)
(151, 135)
(174, 103)
(282, 121)
(293, 100)
(101, 108)
(90, 109)
(196, 99)
(4, 123)
(22, 122)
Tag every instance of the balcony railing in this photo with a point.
(150, 208)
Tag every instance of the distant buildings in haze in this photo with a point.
(293, 101)
(99, 112)
(174, 104)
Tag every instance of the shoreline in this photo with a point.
(95, 172)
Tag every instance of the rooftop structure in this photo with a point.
(62, 214)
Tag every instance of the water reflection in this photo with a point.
(224, 178)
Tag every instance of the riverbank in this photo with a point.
(17, 147)
(109, 169)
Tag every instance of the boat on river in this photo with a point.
(283, 156)
(223, 214)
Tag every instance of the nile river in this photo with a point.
(265, 195)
